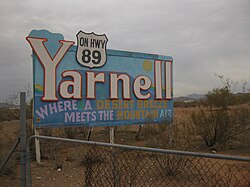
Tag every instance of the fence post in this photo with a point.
(29, 179)
(171, 135)
(23, 138)
(37, 147)
(114, 157)
(111, 135)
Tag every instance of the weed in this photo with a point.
(171, 165)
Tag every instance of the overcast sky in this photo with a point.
(203, 36)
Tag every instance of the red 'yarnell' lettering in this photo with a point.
(49, 64)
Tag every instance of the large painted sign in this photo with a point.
(91, 85)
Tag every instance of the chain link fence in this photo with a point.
(130, 166)
(121, 167)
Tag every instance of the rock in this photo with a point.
(38, 178)
(59, 170)
(213, 151)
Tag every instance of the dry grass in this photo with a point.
(66, 155)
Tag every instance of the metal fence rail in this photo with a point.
(116, 165)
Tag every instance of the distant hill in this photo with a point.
(196, 96)
(190, 97)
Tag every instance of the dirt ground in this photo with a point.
(66, 156)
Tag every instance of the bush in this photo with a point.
(219, 121)
(220, 97)
(8, 114)
(218, 126)
(243, 98)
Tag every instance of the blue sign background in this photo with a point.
(100, 111)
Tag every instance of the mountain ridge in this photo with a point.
(190, 97)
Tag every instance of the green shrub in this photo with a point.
(220, 97)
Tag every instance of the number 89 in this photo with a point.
(95, 57)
